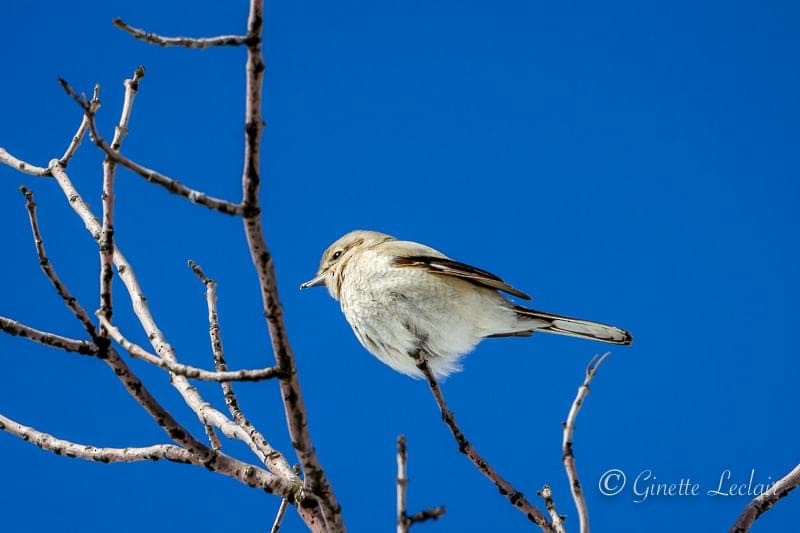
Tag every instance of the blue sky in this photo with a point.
(626, 163)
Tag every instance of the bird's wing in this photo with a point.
(447, 267)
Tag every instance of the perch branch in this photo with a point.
(764, 501)
(515, 497)
(187, 42)
(568, 456)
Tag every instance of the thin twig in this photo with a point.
(515, 497)
(106, 244)
(764, 501)
(276, 524)
(22, 166)
(434, 513)
(274, 459)
(44, 262)
(258, 374)
(212, 436)
(558, 521)
(402, 484)
(568, 456)
(187, 42)
(16, 328)
(172, 185)
(404, 520)
(78, 137)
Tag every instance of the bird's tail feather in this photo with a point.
(573, 327)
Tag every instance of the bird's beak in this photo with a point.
(314, 282)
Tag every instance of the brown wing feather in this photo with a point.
(448, 267)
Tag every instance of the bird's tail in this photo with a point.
(573, 327)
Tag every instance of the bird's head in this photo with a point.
(336, 256)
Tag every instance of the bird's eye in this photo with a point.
(336, 255)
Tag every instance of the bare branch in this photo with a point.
(92, 453)
(44, 262)
(22, 166)
(402, 484)
(291, 393)
(212, 437)
(434, 513)
(215, 461)
(259, 374)
(132, 383)
(172, 185)
(109, 167)
(764, 501)
(13, 327)
(558, 521)
(78, 137)
(568, 456)
(274, 459)
(205, 412)
(404, 520)
(188, 42)
(276, 525)
(515, 497)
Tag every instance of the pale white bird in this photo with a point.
(402, 297)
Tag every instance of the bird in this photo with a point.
(404, 300)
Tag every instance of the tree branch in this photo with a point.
(404, 520)
(276, 524)
(275, 460)
(109, 169)
(215, 461)
(78, 137)
(558, 521)
(172, 185)
(22, 166)
(187, 42)
(44, 262)
(568, 456)
(259, 374)
(515, 497)
(205, 412)
(764, 501)
(92, 453)
(291, 393)
(13, 327)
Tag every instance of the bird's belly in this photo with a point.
(393, 317)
